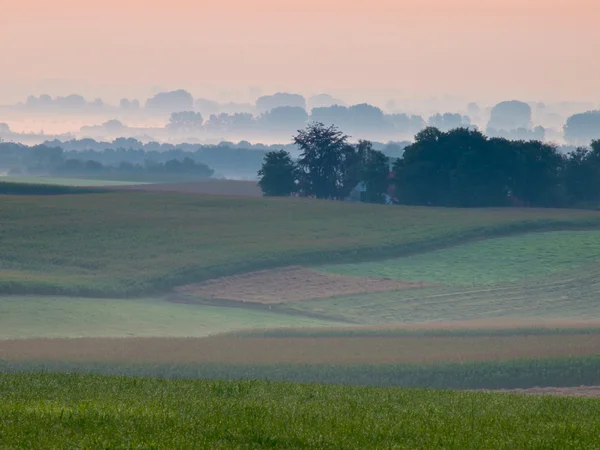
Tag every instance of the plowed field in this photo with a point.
(290, 284)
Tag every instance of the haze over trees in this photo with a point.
(513, 120)
(272, 118)
(170, 102)
(582, 128)
(281, 99)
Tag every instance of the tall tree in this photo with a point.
(375, 174)
(322, 162)
(278, 174)
(581, 175)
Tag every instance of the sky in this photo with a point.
(486, 50)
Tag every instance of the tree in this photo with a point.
(582, 174)
(278, 174)
(172, 101)
(537, 176)
(582, 128)
(284, 118)
(281, 99)
(322, 162)
(375, 174)
(510, 115)
(448, 121)
(185, 121)
(455, 168)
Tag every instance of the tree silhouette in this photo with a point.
(322, 162)
(278, 174)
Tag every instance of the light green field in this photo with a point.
(86, 411)
(79, 182)
(492, 261)
(28, 317)
(569, 295)
(132, 243)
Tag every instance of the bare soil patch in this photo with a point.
(290, 284)
(233, 188)
(578, 391)
(305, 350)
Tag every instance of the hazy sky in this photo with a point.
(477, 49)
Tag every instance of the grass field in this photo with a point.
(77, 411)
(492, 261)
(78, 182)
(116, 244)
(26, 317)
(20, 189)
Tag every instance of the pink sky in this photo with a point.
(485, 49)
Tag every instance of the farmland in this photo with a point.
(56, 181)
(132, 243)
(236, 188)
(177, 288)
(71, 317)
(83, 411)
(492, 261)
(568, 295)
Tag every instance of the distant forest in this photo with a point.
(132, 159)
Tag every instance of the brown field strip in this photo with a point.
(290, 284)
(354, 350)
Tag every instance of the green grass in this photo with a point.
(500, 260)
(75, 411)
(492, 374)
(570, 295)
(131, 243)
(28, 317)
(80, 182)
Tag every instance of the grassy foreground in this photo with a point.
(77, 411)
(131, 243)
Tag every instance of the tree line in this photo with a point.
(457, 168)
(46, 160)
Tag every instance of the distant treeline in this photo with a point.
(458, 168)
(46, 160)
(241, 160)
